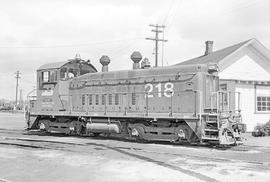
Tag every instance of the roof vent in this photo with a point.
(145, 63)
(77, 57)
(208, 47)
(105, 61)
(136, 57)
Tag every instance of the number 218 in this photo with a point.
(166, 90)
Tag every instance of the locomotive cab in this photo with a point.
(53, 82)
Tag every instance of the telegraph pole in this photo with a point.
(156, 39)
(17, 76)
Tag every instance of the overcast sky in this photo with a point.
(34, 32)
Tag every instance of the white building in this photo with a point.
(244, 68)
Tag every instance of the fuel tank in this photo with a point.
(103, 127)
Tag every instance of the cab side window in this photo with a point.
(45, 76)
(72, 73)
(63, 73)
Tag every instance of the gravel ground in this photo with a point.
(56, 158)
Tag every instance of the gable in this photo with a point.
(230, 55)
(245, 68)
(216, 56)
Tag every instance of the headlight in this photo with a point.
(212, 68)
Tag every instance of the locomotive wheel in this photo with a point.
(43, 126)
(96, 134)
(137, 132)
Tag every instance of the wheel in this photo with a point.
(96, 134)
(137, 132)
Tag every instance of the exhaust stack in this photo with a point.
(208, 47)
(136, 57)
(105, 61)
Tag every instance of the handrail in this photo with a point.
(135, 77)
(70, 101)
(220, 101)
(200, 105)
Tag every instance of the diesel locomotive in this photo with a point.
(172, 103)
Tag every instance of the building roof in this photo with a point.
(52, 65)
(216, 56)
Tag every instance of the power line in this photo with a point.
(169, 12)
(162, 50)
(68, 45)
(173, 14)
(156, 39)
(164, 22)
(122, 50)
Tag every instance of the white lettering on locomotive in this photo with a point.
(165, 90)
(47, 93)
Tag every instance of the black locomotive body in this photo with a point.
(172, 103)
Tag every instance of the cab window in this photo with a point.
(48, 76)
(63, 73)
(45, 76)
(66, 73)
(53, 76)
(72, 73)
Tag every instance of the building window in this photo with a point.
(116, 99)
(90, 100)
(97, 100)
(83, 100)
(263, 103)
(110, 99)
(133, 99)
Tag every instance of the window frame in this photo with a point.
(262, 102)
(63, 74)
(259, 93)
(48, 76)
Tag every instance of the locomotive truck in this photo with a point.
(172, 103)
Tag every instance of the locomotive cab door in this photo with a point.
(47, 89)
(67, 73)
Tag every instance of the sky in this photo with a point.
(36, 32)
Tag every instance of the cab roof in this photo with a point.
(57, 65)
(54, 65)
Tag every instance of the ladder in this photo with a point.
(211, 129)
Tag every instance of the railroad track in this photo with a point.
(138, 151)
(54, 145)
(39, 144)
(87, 142)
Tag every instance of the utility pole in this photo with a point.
(17, 76)
(156, 39)
(21, 100)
